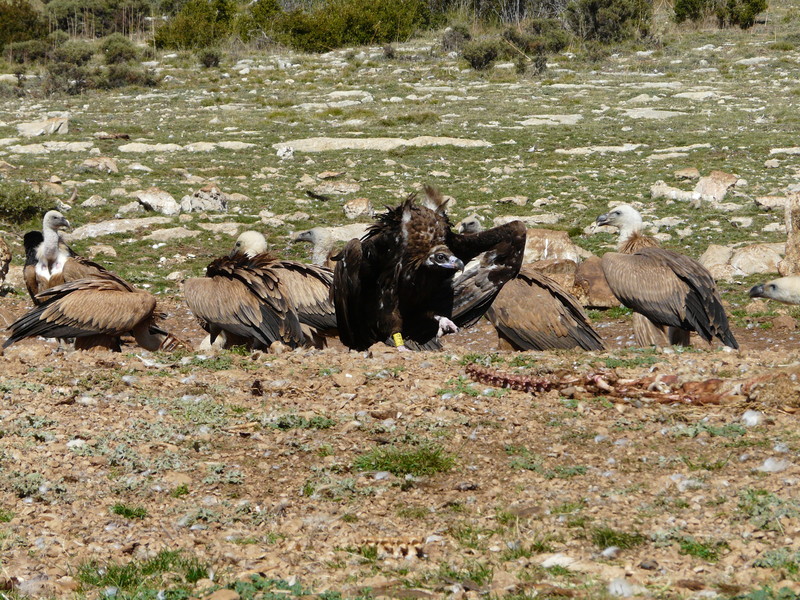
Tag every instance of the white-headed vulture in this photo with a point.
(671, 293)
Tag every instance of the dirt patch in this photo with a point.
(254, 464)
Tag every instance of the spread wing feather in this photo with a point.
(535, 313)
(84, 307)
(309, 289)
(243, 296)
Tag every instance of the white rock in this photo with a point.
(620, 587)
(323, 144)
(94, 201)
(173, 233)
(774, 465)
(752, 418)
(58, 125)
(158, 200)
(114, 226)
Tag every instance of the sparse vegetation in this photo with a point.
(426, 459)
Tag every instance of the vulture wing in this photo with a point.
(5, 259)
(85, 307)
(669, 289)
(242, 295)
(475, 290)
(534, 312)
(308, 288)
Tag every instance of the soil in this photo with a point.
(223, 454)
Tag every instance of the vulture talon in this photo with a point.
(445, 326)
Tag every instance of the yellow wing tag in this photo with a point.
(397, 338)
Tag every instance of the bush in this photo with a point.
(481, 54)
(210, 57)
(74, 52)
(124, 74)
(551, 33)
(338, 23)
(67, 78)
(198, 24)
(690, 10)
(455, 38)
(118, 49)
(609, 20)
(20, 22)
(28, 51)
(740, 12)
(19, 203)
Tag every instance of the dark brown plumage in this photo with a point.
(400, 277)
(661, 286)
(257, 299)
(533, 312)
(94, 311)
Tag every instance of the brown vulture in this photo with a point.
(398, 283)
(671, 292)
(96, 312)
(254, 298)
(77, 298)
(783, 289)
(533, 312)
(49, 261)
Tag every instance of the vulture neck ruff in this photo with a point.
(51, 254)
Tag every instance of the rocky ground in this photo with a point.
(265, 464)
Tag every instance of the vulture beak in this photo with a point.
(236, 250)
(757, 291)
(302, 236)
(601, 220)
(454, 263)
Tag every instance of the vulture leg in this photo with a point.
(646, 333)
(91, 342)
(678, 336)
(445, 326)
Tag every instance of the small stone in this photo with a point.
(223, 594)
(774, 465)
(772, 163)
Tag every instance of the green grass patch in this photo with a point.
(286, 422)
(427, 459)
(604, 537)
(129, 512)
(168, 569)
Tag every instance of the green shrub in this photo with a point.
(263, 14)
(65, 78)
(124, 74)
(19, 203)
(198, 24)
(690, 10)
(57, 38)
(19, 22)
(740, 12)
(455, 38)
(337, 23)
(28, 51)
(481, 54)
(74, 52)
(117, 48)
(550, 32)
(209, 57)
(609, 20)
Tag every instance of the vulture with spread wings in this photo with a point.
(398, 283)
(253, 298)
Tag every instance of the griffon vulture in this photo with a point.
(325, 239)
(783, 289)
(666, 288)
(398, 283)
(256, 299)
(55, 262)
(96, 312)
(533, 312)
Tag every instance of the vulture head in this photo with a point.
(625, 218)
(309, 235)
(784, 289)
(55, 221)
(471, 224)
(250, 243)
(440, 257)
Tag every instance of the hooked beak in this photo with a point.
(602, 219)
(303, 236)
(757, 291)
(454, 263)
